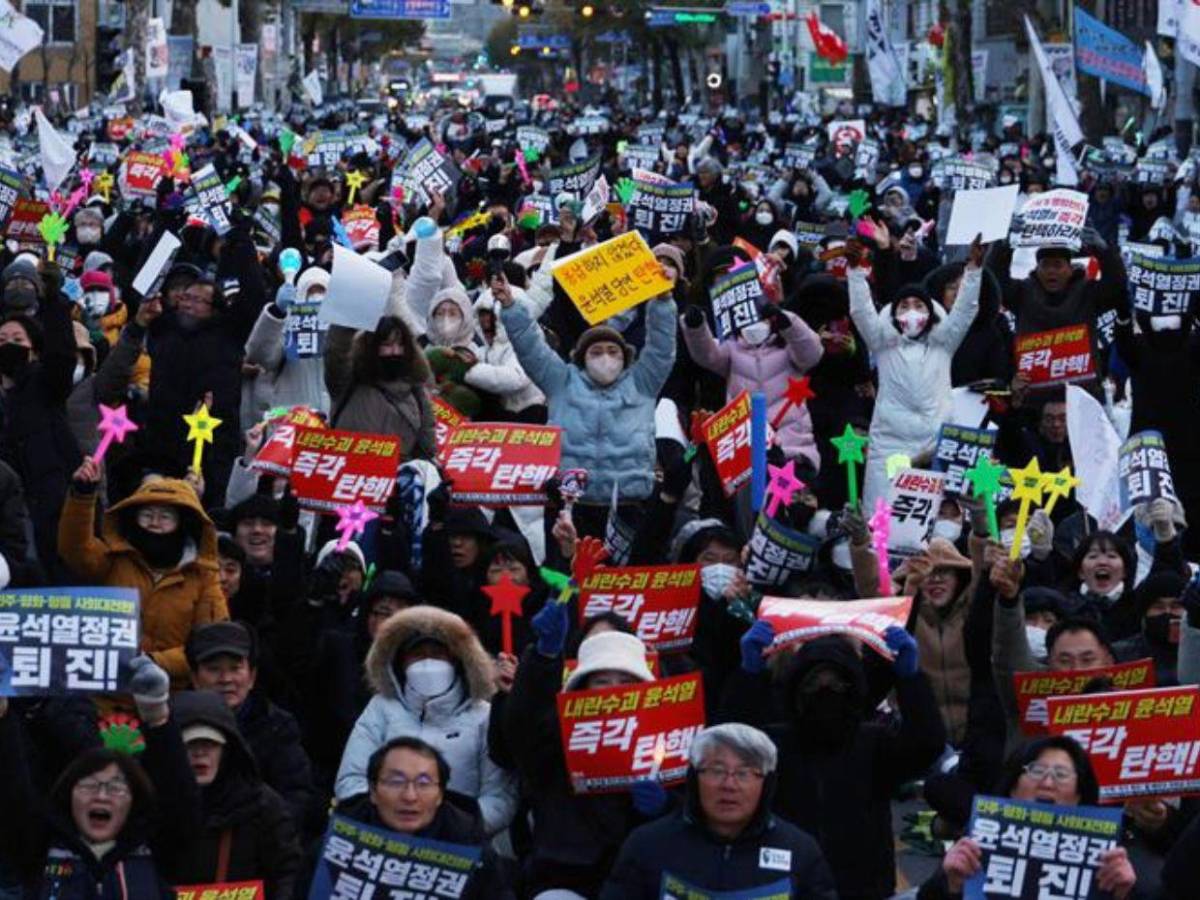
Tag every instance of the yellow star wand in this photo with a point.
(1057, 486)
(354, 180)
(201, 426)
(1027, 488)
(104, 184)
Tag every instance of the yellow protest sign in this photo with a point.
(611, 277)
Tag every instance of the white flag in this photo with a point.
(312, 86)
(1067, 132)
(18, 35)
(57, 155)
(1095, 448)
(1154, 78)
(888, 79)
(1187, 44)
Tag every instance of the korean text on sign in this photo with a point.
(1055, 357)
(1141, 743)
(337, 468)
(1053, 218)
(500, 464)
(275, 455)
(361, 862)
(1163, 287)
(958, 449)
(67, 640)
(727, 434)
(797, 621)
(445, 419)
(736, 298)
(778, 552)
(659, 602)
(1032, 688)
(914, 496)
(1144, 471)
(1038, 850)
(227, 890)
(613, 737)
(612, 277)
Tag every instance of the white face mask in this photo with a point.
(79, 374)
(757, 332)
(1036, 638)
(764, 217)
(448, 320)
(89, 235)
(912, 322)
(429, 677)
(948, 529)
(716, 577)
(1166, 323)
(96, 302)
(1006, 538)
(604, 369)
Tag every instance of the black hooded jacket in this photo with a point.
(987, 350)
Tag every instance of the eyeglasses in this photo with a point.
(1060, 774)
(93, 787)
(422, 784)
(718, 774)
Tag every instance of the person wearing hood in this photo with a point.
(159, 541)
(1160, 600)
(913, 342)
(453, 547)
(725, 838)
(603, 400)
(761, 224)
(376, 381)
(292, 372)
(247, 833)
(497, 370)
(451, 349)
(986, 353)
(837, 771)
(432, 679)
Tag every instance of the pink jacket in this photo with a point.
(766, 368)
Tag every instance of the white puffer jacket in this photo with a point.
(499, 371)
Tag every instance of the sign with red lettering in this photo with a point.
(140, 174)
(797, 621)
(445, 419)
(500, 464)
(1141, 743)
(1055, 357)
(226, 890)
(659, 602)
(914, 497)
(335, 468)
(23, 226)
(615, 736)
(275, 455)
(727, 433)
(1033, 688)
(361, 226)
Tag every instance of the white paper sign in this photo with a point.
(312, 86)
(57, 155)
(1095, 449)
(987, 211)
(18, 35)
(358, 291)
(156, 49)
(594, 202)
(156, 264)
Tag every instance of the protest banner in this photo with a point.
(639, 156)
(154, 270)
(1163, 287)
(915, 496)
(660, 210)
(674, 888)
(846, 131)
(362, 226)
(500, 463)
(27, 214)
(736, 298)
(1033, 688)
(275, 455)
(1132, 249)
(1141, 743)
(226, 890)
(613, 737)
(659, 602)
(1058, 356)
(611, 277)
(778, 552)
(799, 156)
(596, 201)
(10, 190)
(955, 173)
(362, 861)
(445, 419)
(213, 201)
(651, 134)
(797, 621)
(1108, 54)
(1053, 218)
(1035, 850)
(727, 434)
(304, 332)
(427, 169)
(958, 448)
(140, 174)
(325, 149)
(576, 178)
(530, 137)
(331, 469)
(67, 640)
(1144, 471)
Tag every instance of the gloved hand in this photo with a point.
(550, 626)
(1160, 516)
(777, 317)
(754, 642)
(289, 510)
(904, 650)
(693, 316)
(649, 797)
(438, 501)
(1041, 534)
(285, 297)
(150, 687)
(855, 525)
(1091, 240)
(325, 579)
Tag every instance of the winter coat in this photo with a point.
(768, 852)
(18, 563)
(498, 370)
(113, 326)
(172, 602)
(913, 399)
(987, 350)
(765, 368)
(273, 736)
(106, 384)
(239, 812)
(455, 722)
(432, 271)
(607, 430)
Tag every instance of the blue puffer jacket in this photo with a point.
(607, 430)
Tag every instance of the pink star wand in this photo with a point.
(881, 524)
(782, 486)
(114, 426)
(352, 521)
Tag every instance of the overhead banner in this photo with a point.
(888, 82)
(400, 9)
(658, 602)
(1108, 54)
(501, 464)
(797, 621)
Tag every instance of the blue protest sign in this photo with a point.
(400, 9)
(1107, 54)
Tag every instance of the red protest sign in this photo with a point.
(23, 226)
(1033, 688)
(615, 736)
(727, 433)
(659, 602)
(445, 419)
(1055, 357)
(797, 621)
(226, 890)
(275, 455)
(500, 464)
(141, 173)
(361, 226)
(1141, 743)
(331, 468)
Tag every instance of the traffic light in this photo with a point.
(108, 55)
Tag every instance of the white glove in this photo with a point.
(1041, 534)
(151, 688)
(1160, 516)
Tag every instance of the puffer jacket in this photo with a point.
(765, 368)
(455, 722)
(607, 430)
(173, 602)
(914, 398)
(432, 271)
(464, 335)
(499, 371)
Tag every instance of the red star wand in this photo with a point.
(797, 394)
(506, 602)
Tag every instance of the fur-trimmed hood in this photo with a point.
(444, 627)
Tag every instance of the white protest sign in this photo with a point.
(358, 291)
(1053, 219)
(312, 87)
(987, 211)
(18, 36)
(1096, 450)
(594, 202)
(156, 48)
(155, 267)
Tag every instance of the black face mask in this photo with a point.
(1157, 629)
(827, 718)
(391, 367)
(161, 551)
(13, 359)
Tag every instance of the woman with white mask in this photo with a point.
(913, 341)
(433, 680)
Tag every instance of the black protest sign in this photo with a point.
(736, 297)
(778, 552)
(576, 178)
(10, 190)
(958, 449)
(426, 170)
(660, 210)
(1163, 287)
(212, 200)
(954, 173)
(1144, 471)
